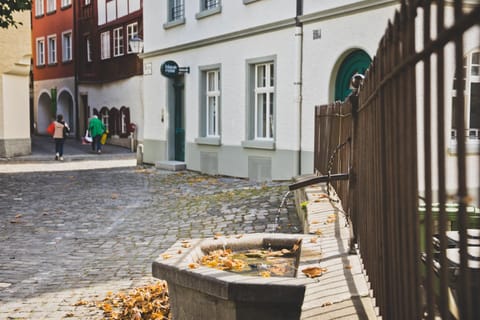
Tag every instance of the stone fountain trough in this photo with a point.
(199, 292)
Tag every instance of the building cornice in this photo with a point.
(22, 67)
(222, 38)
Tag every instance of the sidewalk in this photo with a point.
(43, 154)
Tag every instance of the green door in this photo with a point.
(178, 87)
(356, 62)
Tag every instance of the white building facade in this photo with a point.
(247, 75)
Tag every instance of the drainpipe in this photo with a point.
(298, 77)
(76, 57)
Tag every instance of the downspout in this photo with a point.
(298, 77)
(75, 43)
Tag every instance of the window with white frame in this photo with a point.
(212, 102)
(105, 45)
(176, 10)
(132, 31)
(209, 4)
(67, 46)
(88, 48)
(118, 44)
(471, 97)
(87, 2)
(40, 52)
(52, 49)
(264, 93)
(66, 3)
(51, 5)
(39, 11)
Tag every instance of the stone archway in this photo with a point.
(44, 113)
(65, 107)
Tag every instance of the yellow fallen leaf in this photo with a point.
(80, 303)
(193, 266)
(186, 245)
(265, 274)
(314, 240)
(166, 256)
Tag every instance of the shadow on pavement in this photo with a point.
(43, 149)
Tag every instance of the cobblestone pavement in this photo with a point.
(76, 235)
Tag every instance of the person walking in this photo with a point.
(59, 134)
(96, 128)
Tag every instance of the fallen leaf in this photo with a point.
(193, 266)
(69, 315)
(114, 195)
(265, 274)
(314, 240)
(348, 266)
(325, 304)
(18, 216)
(80, 303)
(314, 272)
(166, 256)
(186, 245)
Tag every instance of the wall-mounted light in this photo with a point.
(136, 44)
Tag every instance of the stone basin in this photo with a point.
(199, 292)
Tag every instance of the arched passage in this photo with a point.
(44, 113)
(65, 107)
(357, 61)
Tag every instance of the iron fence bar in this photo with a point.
(464, 292)
(443, 303)
(467, 22)
(428, 219)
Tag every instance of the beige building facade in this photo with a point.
(15, 56)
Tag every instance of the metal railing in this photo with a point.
(418, 264)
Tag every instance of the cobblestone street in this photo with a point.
(76, 235)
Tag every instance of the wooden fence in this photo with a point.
(415, 269)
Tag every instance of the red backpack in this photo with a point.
(51, 129)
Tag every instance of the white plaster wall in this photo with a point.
(16, 116)
(235, 16)
(128, 93)
(322, 57)
(233, 58)
(155, 102)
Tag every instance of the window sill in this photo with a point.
(259, 144)
(208, 13)
(211, 141)
(471, 147)
(52, 64)
(68, 6)
(174, 23)
(249, 1)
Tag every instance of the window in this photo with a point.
(51, 5)
(105, 45)
(67, 46)
(87, 2)
(175, 10)
(212, 103)
(39, 8)
(111, 10)
(264, 89)
(52, 49)
(66, 3)
(132, 31)
(118, 42)
(88, 46)
(40, 52)
(471, 83)
(209, 4)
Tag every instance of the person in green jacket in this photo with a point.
(96, 128)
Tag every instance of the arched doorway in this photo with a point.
(65, 107)
(357, 61)
(44, 113)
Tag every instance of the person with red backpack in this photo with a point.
(59, 135)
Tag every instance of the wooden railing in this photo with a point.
(416, 269)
